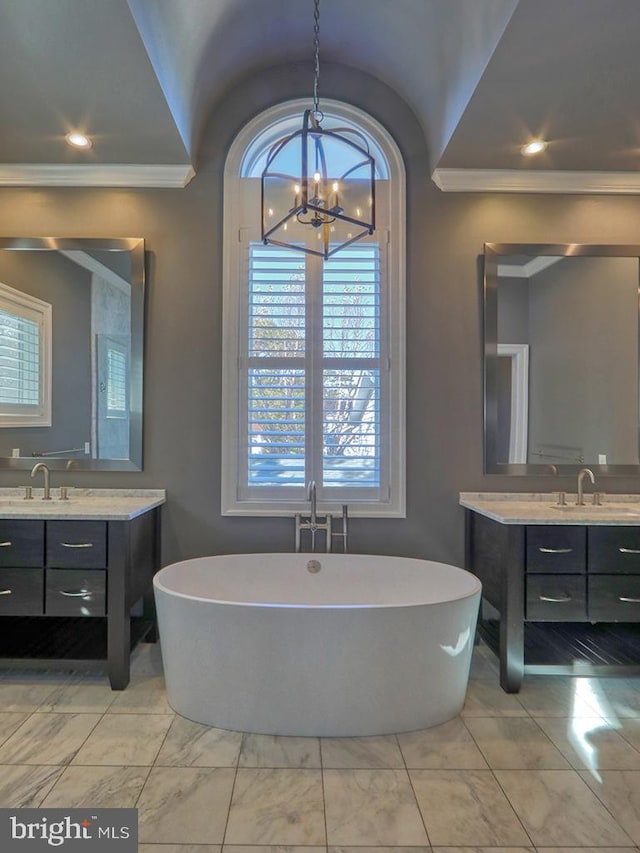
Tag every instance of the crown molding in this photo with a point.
(535, 181)
(95, 175)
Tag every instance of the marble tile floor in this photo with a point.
(555, 768)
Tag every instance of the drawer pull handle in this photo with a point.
(6, 591)
(557, 599)
(629, 550)
(77, 544)
(555, 550)
(6, 544)
(83, 593)
(629, 599)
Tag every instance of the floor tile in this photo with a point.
(377, 849)
(26, 786)
(466, 807)
(277, 751)
(100, 787)
(483, 850)
(277, 848)
(619, 790)
(276, 806)
(558, 809)
(144, 695)
(125, 739)
(515, 743)
(618, 697)
(9, 723)
(48, 739)
(146, 659)
(371, 807)
(629, 729)
(590, 743)
(447, 746)
(179, 848)
(484, 664)
(185, 805)
(361, 752)
(190, 744)
(587, 849)
(25, 695)
(556, 696)
(80, 696)
(488, 699)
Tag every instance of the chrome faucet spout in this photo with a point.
(582, 473)
(40, 466)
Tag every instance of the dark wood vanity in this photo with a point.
(557, 597)
(78, 590)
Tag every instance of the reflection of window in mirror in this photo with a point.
(25, 359)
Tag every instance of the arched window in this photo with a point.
(313, 351)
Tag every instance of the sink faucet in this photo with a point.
(40, 466)
(582, 473)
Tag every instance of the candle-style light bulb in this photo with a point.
(296, 195)
(335, 206)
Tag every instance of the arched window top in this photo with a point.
(248, 153)
(255, 156)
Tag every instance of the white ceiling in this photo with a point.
(482, 76)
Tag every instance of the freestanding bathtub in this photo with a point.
(316, 644)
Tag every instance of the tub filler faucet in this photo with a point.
(314, 523)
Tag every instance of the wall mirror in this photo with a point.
(71, 352)
(561, 358)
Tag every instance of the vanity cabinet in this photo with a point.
(77, 580)
(553, 573)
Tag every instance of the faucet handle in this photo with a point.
(562, 499)
(597, 498)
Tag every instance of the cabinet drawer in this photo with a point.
(75, 592)
(614, 550)
(556, 599)
(21, 543)
(21, 592)
(77, 544)
(613, 598)
(556, 549)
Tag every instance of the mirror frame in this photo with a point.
(134, 245)
(492, 254)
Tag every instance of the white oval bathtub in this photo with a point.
(366, 645)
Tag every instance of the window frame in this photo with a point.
(30, 308)
(238, 233)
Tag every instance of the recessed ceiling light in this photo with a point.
(533, 147)
(78, 140)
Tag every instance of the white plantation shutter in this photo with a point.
(25, 381)
(353, 387)
(312, 384)
(275, 380)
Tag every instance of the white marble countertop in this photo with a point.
(541, 508)
(83, 504)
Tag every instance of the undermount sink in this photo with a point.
(590, 509)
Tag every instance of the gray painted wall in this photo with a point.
(183, 233)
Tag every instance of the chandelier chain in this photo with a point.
(316, 46)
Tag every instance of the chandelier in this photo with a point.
(318, 185)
